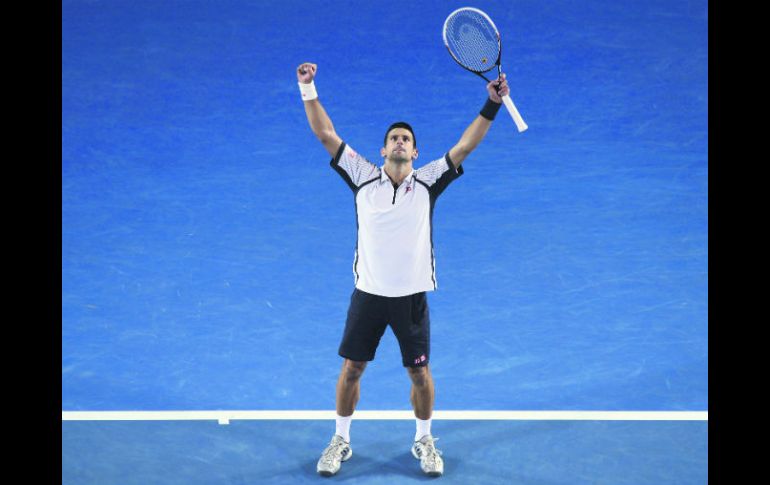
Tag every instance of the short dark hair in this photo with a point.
(399, 124)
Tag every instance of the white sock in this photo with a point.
(423, 428)
(343, 427)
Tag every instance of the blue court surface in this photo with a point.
(475, 452)
(207, 245)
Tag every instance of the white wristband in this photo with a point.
(308, 91)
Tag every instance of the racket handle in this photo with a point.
(514, 113)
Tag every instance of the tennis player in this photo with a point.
(394, 264)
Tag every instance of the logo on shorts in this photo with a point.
(420, 359)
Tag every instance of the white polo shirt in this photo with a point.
(394, 247)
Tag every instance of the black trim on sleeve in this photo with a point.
(459, 169)
(445, 179)
(335, 161)
(337, 157)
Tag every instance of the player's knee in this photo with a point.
(352, 369)
(420, 376)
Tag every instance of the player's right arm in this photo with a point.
(319, 121)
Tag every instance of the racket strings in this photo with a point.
(473, 41)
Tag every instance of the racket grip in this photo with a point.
(514, 113)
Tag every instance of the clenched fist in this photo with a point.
(306, 72)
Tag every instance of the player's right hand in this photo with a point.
(498, 88)
(306, 72)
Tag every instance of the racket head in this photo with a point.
(472, 39)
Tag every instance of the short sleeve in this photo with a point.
(353, 168)
(438, 174)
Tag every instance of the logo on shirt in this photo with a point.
(408, 188)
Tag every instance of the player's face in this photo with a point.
(399, 146)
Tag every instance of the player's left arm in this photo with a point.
(477, 130)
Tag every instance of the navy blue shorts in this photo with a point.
(369, 315)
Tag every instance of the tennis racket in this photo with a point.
(473, 41)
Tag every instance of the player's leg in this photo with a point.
(363, 329)
(422, 394)
(348, 392)
(410, 320)
(349, 387)
(365, 324)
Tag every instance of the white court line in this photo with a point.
(224, 417)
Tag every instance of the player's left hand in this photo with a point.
(496, 92)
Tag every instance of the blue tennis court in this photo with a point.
(207, 245)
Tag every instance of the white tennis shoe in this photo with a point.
(333, 456)
(430, 458)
